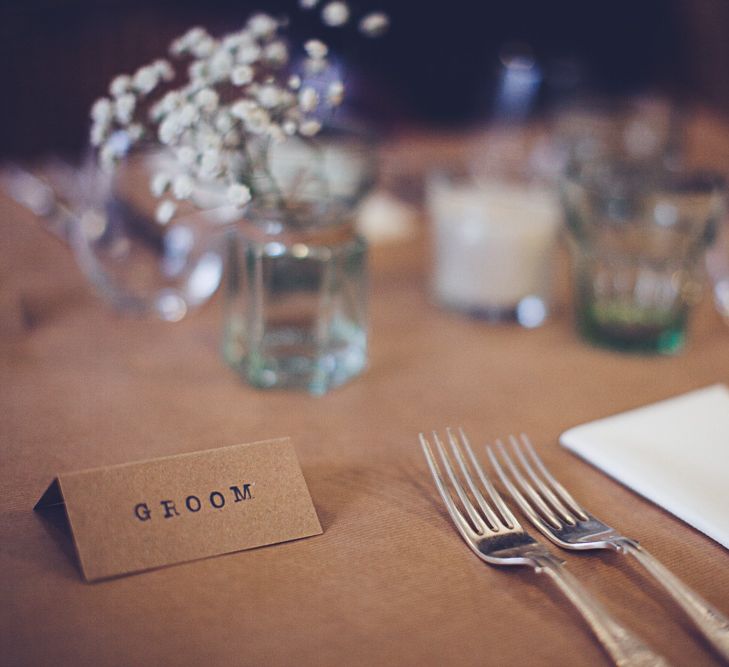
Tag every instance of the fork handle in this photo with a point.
(708, 620)
(626, 649)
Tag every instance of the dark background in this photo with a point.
(435, 68)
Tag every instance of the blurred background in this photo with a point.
(436, 68)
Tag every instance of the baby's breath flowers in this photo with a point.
(374, 24)
(240, 95)
(335, 14)
(165, 211)
(238, 194)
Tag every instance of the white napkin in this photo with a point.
(675, 453)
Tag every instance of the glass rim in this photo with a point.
(645, 178)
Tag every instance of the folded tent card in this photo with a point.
(674, 452)
(137, 516)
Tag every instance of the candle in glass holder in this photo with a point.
(494, 248)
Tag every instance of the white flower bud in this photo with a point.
(195, 34)
(316, 49)
(308, 4)
(169, 128)
(124, 108)
(257, 121)
(182, 186)
(203, 48)
(335, 14)
(232, 139)
(269, 96)
(308, 99)
(235, 39)
(276, 53)
(188, 114)
(159, 183)
(248, 54)
(165, 211)
(146, 79)
(243, 108)
(102, 111)
(309, 128)
(107, 156)
(120, 85)
(295, 82)
(166, 105)
(198, 72)
(192, 37)
(241, 75)
(238, 194)
(164, 69)
(224, 122)
(374, 24)
(98, 134)
(262, 25)
(178, 47)
(289, 127)
(221, 64)
(207, 100)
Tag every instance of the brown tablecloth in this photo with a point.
(389, 582)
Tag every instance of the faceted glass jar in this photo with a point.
(296, 305)
(297, 280)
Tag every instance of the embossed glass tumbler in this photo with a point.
(638, 238)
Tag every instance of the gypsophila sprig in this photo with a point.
(374, 24)
(335, 14)
(240, 96)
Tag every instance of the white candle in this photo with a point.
(494, 246)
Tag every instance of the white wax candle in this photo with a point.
(494, 243)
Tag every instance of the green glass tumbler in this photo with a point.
(638, 237)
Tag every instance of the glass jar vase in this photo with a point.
(295, 314)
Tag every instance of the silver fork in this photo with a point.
(557, 515)
(495, 536)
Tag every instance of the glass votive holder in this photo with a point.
(638, 238)
(494, 243)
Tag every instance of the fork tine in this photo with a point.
(503, 508)
(546, 492)
(478, 523)
(461, 524)
(535, 510)
(492, 519)
(558, 488)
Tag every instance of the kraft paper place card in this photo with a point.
(137, 516)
